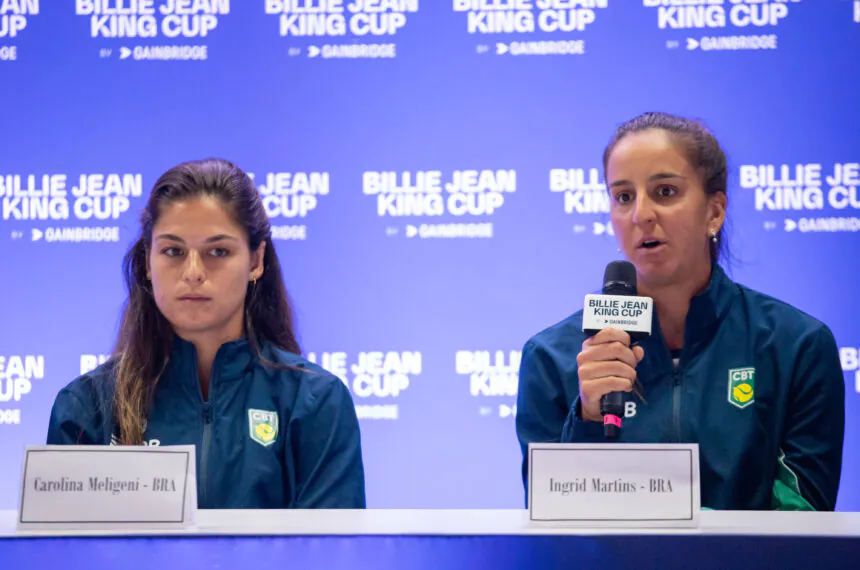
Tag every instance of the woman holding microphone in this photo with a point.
(755, 382)
(206, 355)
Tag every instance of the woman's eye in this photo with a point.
(220, 252)
(666, 191)
(172, 251)
(623, 197)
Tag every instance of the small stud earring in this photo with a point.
(714, 237)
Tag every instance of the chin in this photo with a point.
(193, 327)
(196, 323)
(657, 274)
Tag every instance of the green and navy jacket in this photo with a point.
(758, 385)
(266, 437)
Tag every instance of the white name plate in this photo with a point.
(614, 485)
(108, 487)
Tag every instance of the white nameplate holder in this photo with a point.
(614, 485)
(87, 487)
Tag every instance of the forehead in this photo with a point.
(645, 153)
(196, 217)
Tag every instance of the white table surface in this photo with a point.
(460, 523)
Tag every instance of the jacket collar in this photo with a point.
(232, 360)
(707, 311)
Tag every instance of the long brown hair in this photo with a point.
(145, 337)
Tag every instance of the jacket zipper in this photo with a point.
(676, 397)
(203, 474)
(204, 452)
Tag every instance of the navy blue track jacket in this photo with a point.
(758, 386)
(266, 438)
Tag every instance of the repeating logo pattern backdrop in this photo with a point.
(432, 171)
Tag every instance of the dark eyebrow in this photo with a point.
(220, 237)
(212, 239)
(171, 237)
(664, 176)
(652, 178)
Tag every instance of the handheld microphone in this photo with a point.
(617, 307)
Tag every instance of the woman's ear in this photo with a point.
(717, 203)
(148, 265)
(257, 258)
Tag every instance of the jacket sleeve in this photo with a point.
(541, 402)
(72, 422)
(810, 461)
(329, 471)
(577, 430)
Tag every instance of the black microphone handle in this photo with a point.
(619, 279)
(612, 410)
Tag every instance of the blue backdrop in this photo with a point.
(435, 187)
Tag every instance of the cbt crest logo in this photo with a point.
(263, 426)
(741, 387)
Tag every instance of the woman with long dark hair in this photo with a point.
(206, 355)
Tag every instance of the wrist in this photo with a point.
(583, 414)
